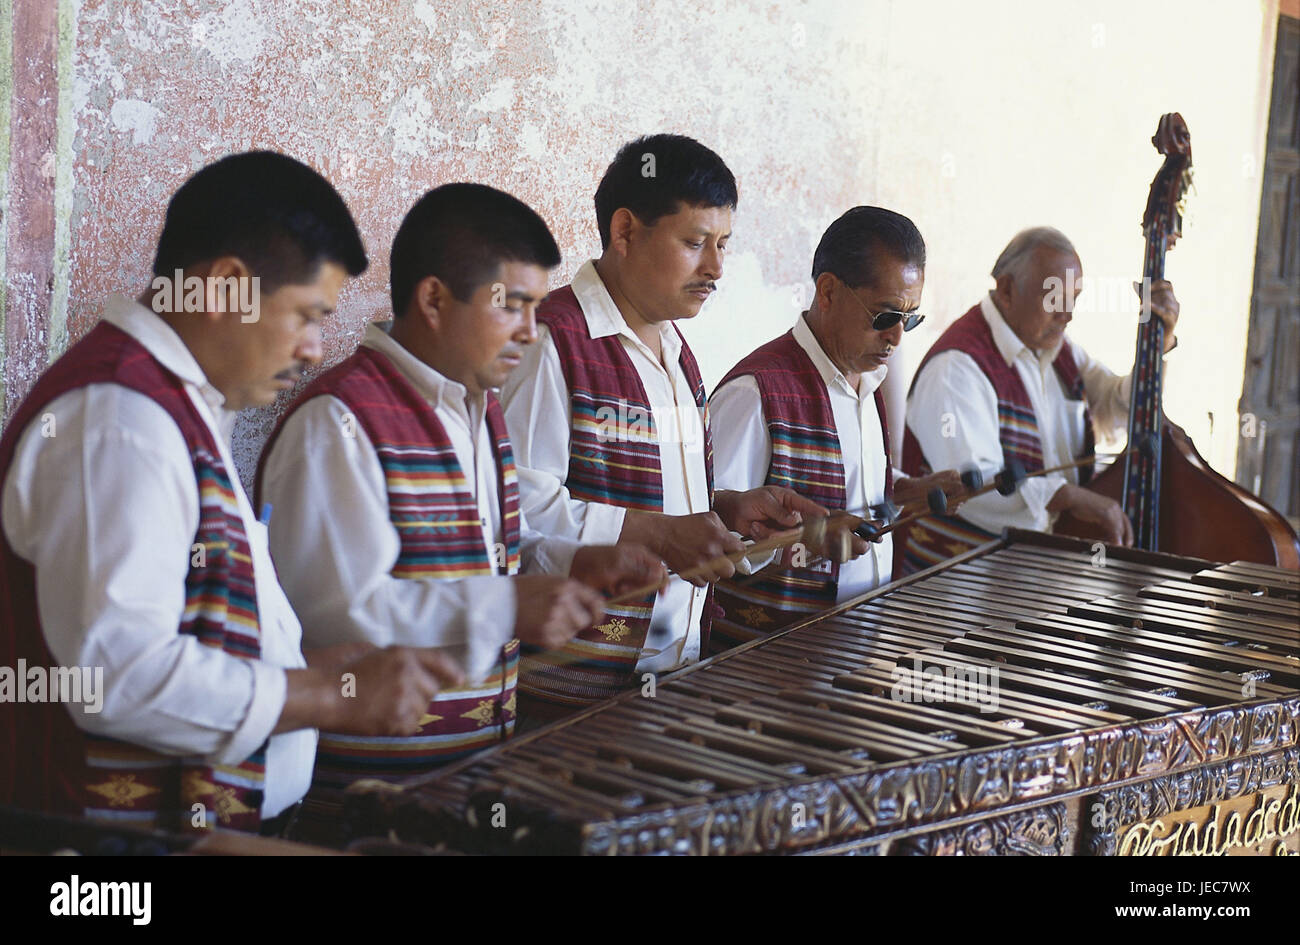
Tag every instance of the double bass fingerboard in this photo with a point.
(1146, 421)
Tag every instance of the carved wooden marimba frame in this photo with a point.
(1038, 695)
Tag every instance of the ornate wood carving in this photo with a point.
(887, 798)
(1040, 831)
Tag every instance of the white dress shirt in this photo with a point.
(335, 545)
(536, 400)
(953, 413)
(106, 509)
(742, 450)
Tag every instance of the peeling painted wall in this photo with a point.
(974, 119)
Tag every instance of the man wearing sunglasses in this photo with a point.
(805, 411)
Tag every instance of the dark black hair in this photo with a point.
(653, 175)
(851, 245)
(276, 214)
(462, 233)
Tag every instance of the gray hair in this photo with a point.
(1014, 260)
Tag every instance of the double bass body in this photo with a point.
(1202, 514)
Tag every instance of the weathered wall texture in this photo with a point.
(974, 119)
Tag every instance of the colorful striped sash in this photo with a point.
(436, 516)
(805, 457)
(623, 470)
(936, 539)
(46, 762)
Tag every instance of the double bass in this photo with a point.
(1175, 501)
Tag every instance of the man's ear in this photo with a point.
(824, 290)
(621, 227)
(224, 286)
(429, 300)
(1004, 288)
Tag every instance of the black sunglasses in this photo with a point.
(883, 321)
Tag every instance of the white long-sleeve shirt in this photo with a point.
(742, 449)
(953, 413)
(106, 509)
(335, 545)
(536, 401)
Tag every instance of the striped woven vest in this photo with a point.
(438, 523)
(805, 457)
(621, 469)
(937, 538)
(46, 762)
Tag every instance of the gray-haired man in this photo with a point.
(1002, 382)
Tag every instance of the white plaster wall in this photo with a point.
(974, 118)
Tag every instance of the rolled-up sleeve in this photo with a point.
(742, 447)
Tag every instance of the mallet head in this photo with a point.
(1012, 475)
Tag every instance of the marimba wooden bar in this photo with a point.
(1033, 696)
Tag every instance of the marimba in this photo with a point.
(1039, 695)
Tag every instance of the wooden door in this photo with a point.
(1268, 448)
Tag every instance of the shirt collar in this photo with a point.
(604, 318)
(167, 348)
(437, 389)
(157, 337)
(1008, 342)
(831, 375)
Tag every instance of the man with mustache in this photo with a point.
(805, 411)
(128, 542)
(393, 487)
(607, 414)
(1003, 382)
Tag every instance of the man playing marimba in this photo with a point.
(805, 411)
(1002, 382)
(129, 546)
(607, 414)
(394, 493)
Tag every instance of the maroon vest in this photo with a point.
(935, 539)
(437, 522)
(806, 457)
(46, 762)
(614, 459)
